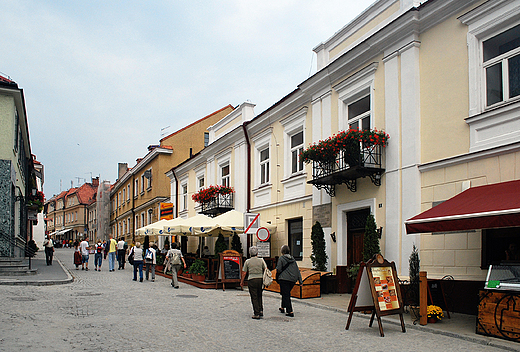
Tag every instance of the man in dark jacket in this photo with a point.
(287, 273)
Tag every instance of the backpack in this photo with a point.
(176, 258)
(149, 254)
(99, 248)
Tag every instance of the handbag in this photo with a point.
(268, 276)
(131, 257)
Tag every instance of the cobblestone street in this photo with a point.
(107, 311)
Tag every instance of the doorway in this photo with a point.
(356, 222)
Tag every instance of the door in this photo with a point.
(356, 221)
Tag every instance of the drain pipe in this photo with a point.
(248, 175)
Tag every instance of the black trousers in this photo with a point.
(121, 258)
(255, 291)
(285, 291)
(49, 252)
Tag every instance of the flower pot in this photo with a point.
(432, 320)
(187, 275)
(198, 277)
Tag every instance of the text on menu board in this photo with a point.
(385, 288)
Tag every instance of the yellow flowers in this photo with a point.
(435, 312)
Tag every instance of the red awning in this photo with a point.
(483, 207)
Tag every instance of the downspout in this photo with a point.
(133, 208)
(176, 199)
(248, 175)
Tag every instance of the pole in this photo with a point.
(423, 297)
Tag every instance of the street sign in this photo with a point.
(263, 234)
(251, 223)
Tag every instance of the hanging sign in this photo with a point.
(377, 291)
(166, 211)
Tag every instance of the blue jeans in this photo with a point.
(111, 260)
(138, 264)
(98, 259)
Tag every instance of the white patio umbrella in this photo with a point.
(152, 229)
(185, 227)
(229, 223)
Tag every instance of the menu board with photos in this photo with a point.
(385, 288)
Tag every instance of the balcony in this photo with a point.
(346, 168)
(218, 204)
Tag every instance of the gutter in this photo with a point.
(248, 166)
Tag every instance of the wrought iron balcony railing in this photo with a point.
(347, 168)
(218, 204)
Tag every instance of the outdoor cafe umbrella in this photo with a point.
(229, 223)
(152, 229)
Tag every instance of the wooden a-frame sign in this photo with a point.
(230, 267)
(377, 291)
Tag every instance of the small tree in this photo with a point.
(236, 244)
(318, 256)
(371, 239)
(413, 271)
(220, 245)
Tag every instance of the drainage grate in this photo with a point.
(187, 296)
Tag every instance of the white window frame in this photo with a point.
(142, 183)
(264, 165)
(184, 196)
(136, 188)
(261, 142)
(499, 124)
(292, 125)
(225, 180)
(149, 180)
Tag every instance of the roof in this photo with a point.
(484, 207)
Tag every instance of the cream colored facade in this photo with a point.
(420, 68)
(137, 194)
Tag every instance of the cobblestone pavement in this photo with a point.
(107, 311)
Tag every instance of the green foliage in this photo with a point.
(220, 245)
(159, 259)
(198, 267)
(352, 271)
(318, 256)
(413, 270)
(371, 239)
(31, 249)
(236, 244)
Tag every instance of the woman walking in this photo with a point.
(287, 273)
(137, 251)
(254, 269)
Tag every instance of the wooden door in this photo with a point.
(356, 221)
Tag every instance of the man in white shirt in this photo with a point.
(49, 249)
(121, 252)
(84, 248)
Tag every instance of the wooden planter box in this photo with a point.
(311, 284)
(498, 314)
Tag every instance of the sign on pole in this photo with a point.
(166, 210)
(251, 223)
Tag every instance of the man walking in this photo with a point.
(121, 252)
(177, 260)
(84, 249)
(49, 249)
(112, 253)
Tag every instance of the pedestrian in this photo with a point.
(77, 255)
(254, 270)
(49, 249)
(112, 248)
(105, 252)
(150, 259)
(98, 258)
(137, 252)
(176, 261)
(287, 273)
(121, 252)
(84, 248)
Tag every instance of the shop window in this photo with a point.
(500, 246)
(296, 238)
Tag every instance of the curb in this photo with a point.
(25, 282)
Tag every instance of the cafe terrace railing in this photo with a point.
(347, 167)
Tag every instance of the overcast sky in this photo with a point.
(102, 78)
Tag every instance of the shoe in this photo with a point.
(134, 279)
(255, 317)
(140, 280)
(175, 286)
(289, 315)
(86, 269)
(82, 268)
(261, 314)
(282, 310)
(153, 280)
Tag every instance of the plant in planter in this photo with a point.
(205, 195)
(370, 239)
(318, 256)
(413, 289)
(236, 244)
(434, 314)
(198, 270)
(36, 201)
(352, 273)
(220, 245)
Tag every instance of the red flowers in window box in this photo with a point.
(205, 195)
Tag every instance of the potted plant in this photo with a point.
(186, 273)
(413, 288)
(198, 270)
(205, 195)
(352, 273)
(159, 266)
(318, 256)
(434, 314)
(370, 239)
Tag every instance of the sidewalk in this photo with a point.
(460, 326)
(54, 274)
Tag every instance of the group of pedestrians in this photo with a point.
(287, 274)
(102, 250)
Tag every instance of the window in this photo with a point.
(150, 213)
(296, 238)
(184, 196)
(224, 173)
(128, 193)
(148, 176)
(200, 182)
(143, 219)
(124, 195)
(137, 221)
(296, 150)
(142, 183)
(501, 56)
(136, 188)
(264, 166)
(206, 139)
(359, 114)
(500, 246)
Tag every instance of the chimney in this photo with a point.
(95, 181)
(122, 169)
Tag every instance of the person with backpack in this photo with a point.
(98, 258)
(287, 273)
(176, 260)
(150, 259)
(136, 255)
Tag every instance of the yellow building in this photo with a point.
(138, 192)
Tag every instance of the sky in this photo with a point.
(102, 79)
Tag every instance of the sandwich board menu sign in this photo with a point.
(377, 291)
(230, 268)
